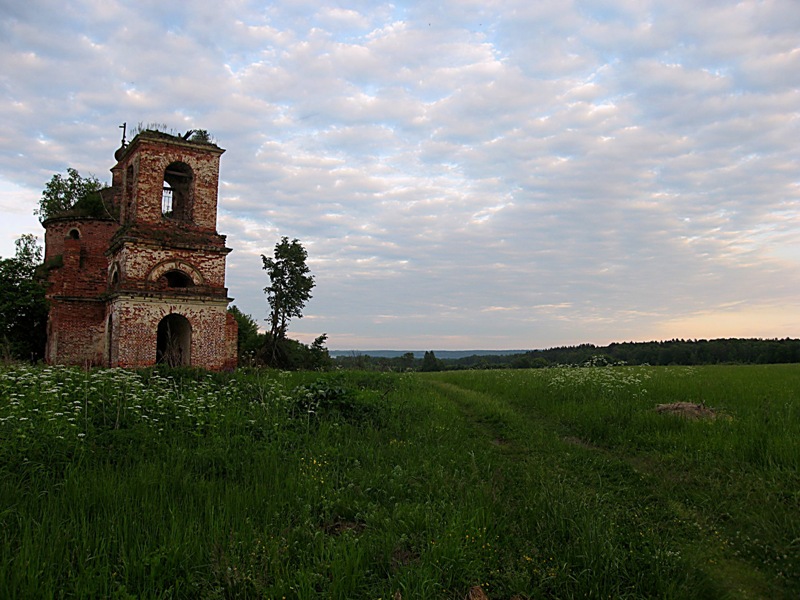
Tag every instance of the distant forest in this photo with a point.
(672, 352)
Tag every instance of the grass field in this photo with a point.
(548, 483)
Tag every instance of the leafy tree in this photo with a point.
(200, 135)
(62, 194)
(256, 348)
(28, 253)
(430, 362)
(249, 339)
(318, 353)
(289, 290)
(406, 361)
(23, 309)
(292, 354)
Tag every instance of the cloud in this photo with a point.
(497, 174)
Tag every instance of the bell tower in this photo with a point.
(166, 295)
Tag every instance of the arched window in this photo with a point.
(74, 234)
(177, 199)
(114, 279)
(174, 273)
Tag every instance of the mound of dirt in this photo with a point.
(688, 410)
(340, 527)
(476, 593)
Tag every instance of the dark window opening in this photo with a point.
(74, 234)
(178, 279)
(177, 195)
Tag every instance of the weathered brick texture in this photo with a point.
(147, 159)
(76, 332)
(149, 283)
(135, 323)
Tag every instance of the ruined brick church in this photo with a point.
(137, 277)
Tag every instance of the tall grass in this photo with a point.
(534, 484)
(726, 489)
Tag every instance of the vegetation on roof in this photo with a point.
(74, 196)
(197, 136)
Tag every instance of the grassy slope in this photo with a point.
(552, 483)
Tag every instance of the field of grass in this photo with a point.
(548, 483)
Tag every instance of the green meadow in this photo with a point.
(546, 483)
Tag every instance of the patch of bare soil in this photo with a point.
(340, 527)
(688, 410)
(402, 557)
(575, 441)
(476, 593)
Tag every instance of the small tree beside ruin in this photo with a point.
(23, 309)
(289, 290)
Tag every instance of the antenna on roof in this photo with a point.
(124, 128)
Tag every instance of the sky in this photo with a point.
(493, 174)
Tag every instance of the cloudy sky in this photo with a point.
(464, 174)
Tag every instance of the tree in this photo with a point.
(320, 358)
(406, 361)
(23, 308)
(200, 135)
(249, 340)
(62, 194)
(293, 355)
(289, 290)
(430, 362)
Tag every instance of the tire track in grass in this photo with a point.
(704, 545)
(565, 525)
(733, 577)
(528, 438)
(493, 418)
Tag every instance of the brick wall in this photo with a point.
(137, 261)
(83, 269)
(135, 325)
(78, 275)
(76, 333)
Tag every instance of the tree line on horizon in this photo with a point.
(657, 353)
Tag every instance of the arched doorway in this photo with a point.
(174, 341)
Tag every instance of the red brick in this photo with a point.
(113, 280)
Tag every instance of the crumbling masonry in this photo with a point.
(139, 277)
